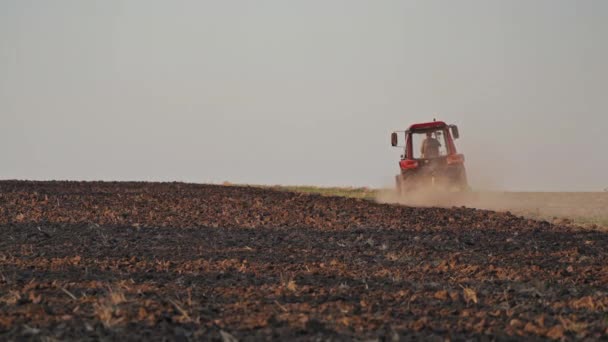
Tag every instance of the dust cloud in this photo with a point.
(558, 207)
(496, 180)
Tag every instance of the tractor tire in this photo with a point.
(398, 184)
(405, 183)
(459, 179)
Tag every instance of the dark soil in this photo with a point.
(158, 261)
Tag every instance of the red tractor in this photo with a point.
(430, 159)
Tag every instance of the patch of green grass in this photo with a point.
(364, 193)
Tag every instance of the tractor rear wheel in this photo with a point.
(405, 183)
(398, 184)
(459, 179)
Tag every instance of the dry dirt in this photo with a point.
(184, 262)
(587, 209)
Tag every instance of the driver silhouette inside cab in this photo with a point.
(430, 147)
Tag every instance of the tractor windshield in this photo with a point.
(429, 144)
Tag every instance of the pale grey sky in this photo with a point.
(302, 92)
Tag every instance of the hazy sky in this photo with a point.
(302, 92)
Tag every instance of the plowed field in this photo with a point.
(87, 260)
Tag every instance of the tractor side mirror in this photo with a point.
(455, 132)
(394, 139)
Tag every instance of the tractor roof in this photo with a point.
(427, 125)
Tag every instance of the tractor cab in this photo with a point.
(430, 154)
